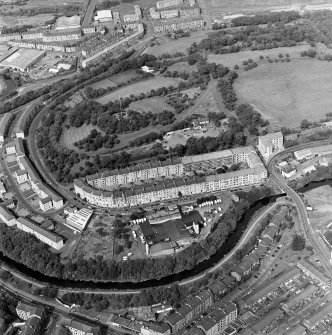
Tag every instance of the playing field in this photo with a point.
(237, 58)
(218, 8)
(115, 80)
(12, 21)
(154, 105)
(72, 135)
(139, 87)
(286, 93)
(167, 45)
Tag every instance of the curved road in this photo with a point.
(278, 180)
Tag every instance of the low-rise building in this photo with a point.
(79, 219)
(302, 155)
(288, 171)
(263, 322)
(45, 204)
(319, 316)
(152, 328)
(21, 176)
(77, 327)
(7, 216)
(104, 16)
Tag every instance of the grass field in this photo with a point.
(170, 46)
(139, 87)
(115, 80)
(154, 104)
(12, 21)
(286, 93)
(237, 58)
(217, 8)
(182, 67)
(71, 135)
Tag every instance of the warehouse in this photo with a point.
(22, 59)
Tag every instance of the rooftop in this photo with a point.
(263, 322)
(22, 58)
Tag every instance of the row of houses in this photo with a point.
(114, 47)
(43, 46)
(170, 189)
(41, 233)
(269, 234)
(48, 199)
(176, 167)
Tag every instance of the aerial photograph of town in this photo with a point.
(165, 167)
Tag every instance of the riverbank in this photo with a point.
(244, 227)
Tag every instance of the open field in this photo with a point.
(182, 67)
(139, 87)
(115, 80)
(170, 46)
(126, 8)
(286, 93)
(154, 104)
(12, 21)
(217, 9)
(71, 135)
(237, 58)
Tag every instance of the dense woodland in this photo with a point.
(313, 27)
(29, 251)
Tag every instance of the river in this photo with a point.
(199, 268)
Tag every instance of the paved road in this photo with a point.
(88, 13)
(278, 180)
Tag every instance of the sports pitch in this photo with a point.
(286, 93)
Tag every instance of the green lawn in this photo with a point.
(139, 87)
(286, 93)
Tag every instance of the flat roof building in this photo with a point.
(22, 59)
(104, 15)
(79, 219)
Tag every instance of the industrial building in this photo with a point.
(104, 16)
(79, 219)
(22, 59)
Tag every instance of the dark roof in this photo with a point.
(32, 225)
(6, 213)
(263, 322)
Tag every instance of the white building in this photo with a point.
(270, 144)
(44, 235)
(104, 16)
(288, 171)
(169, 14)
(169, 3)
(21, 176)
(154, 14)
(45, 204)
(79, 219)
(304, 154)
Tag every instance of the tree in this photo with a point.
(305, 124)
(298, 243)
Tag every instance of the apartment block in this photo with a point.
(270, 144)
(169, 14)
(154, 14)
(44, 235)
(51, 36)
(218, 320)
(177, 24)
(169, 3)
(187, 12)
(170, 189)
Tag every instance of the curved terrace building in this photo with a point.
(169, 188)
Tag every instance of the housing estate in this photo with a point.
(177, 24)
